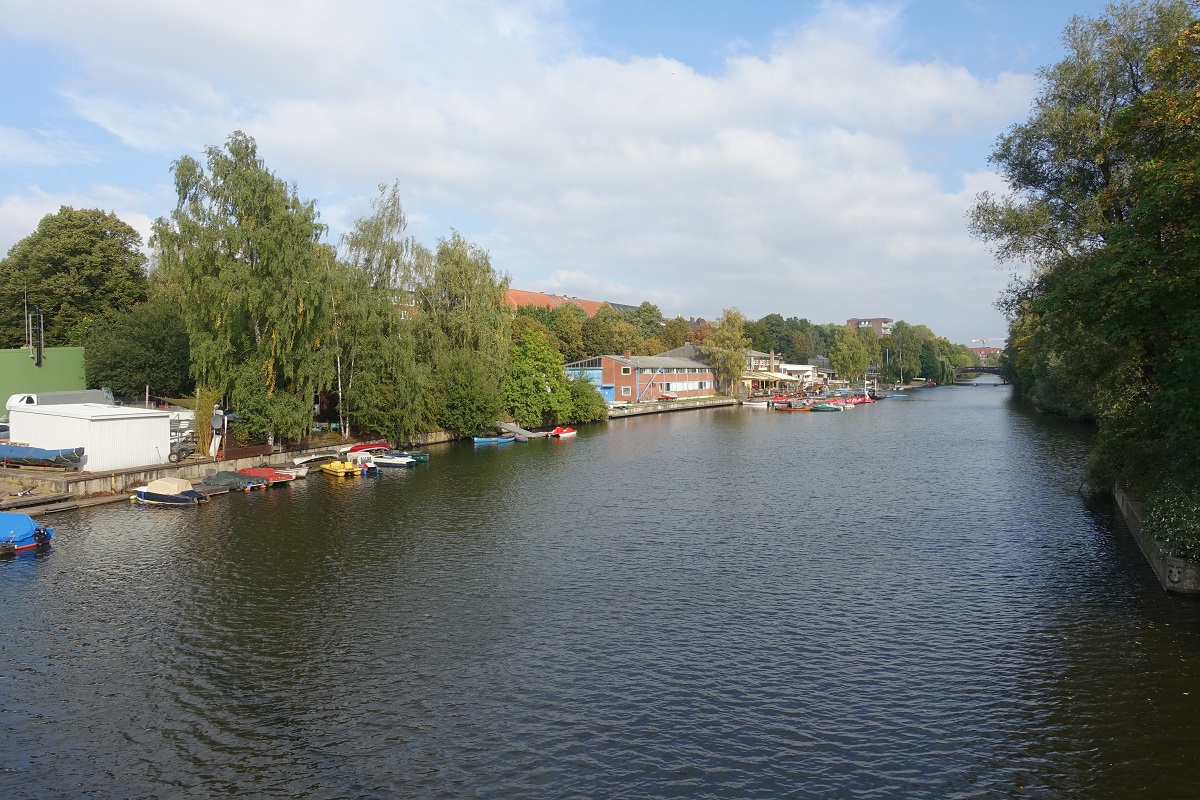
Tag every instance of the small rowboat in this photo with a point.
(415, 455)
(507, 438)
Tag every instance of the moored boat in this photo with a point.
(362, 464)
(168, 492)
(269, 474)
(416, 455)
(300, 471)
(316, 458)
(506, 438)
(393, 459)
(19, 532)
(365, 447)
(562, 433)
(241, 483)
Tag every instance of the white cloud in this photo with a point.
(782, 184)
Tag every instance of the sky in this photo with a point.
(813, 159)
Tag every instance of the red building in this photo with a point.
(635, 379)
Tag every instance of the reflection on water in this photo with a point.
(910, 599)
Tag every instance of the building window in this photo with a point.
(626, 391)
(625, 370)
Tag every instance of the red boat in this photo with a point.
(269, 474)
(562, 433)
(366, 447)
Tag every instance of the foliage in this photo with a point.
(849, 356)
(535, 390)
(1172, 517)
(647, 319)
(146, 345)
(587, 404)
(244, 252)
(382, 386)
(468, 398)
(77, 266)
(726, 349)
(464, 333)
(674, 333)
(1106, 327)
(566, 322)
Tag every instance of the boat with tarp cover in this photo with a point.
(168, 492)
(19, 455)
(19, 532)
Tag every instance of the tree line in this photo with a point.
(245, 302)
(1104, 181)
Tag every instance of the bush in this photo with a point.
(1172, 517)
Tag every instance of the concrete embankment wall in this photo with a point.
(1175, 574)
(635, 409)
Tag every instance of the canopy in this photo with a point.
(169, 486)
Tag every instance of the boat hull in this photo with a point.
(190, 498)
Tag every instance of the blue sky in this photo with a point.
(812, 159)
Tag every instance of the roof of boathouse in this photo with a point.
(660, 361)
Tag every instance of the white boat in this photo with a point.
(310, 459)
(393, 459)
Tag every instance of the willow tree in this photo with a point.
(244, 252)
(727, 348)
(382, 385)
(464, 324)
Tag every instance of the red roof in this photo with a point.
(518, 297)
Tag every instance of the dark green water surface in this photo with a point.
(904, 600)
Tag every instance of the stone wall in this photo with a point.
(1175, 574)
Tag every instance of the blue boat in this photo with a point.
(168, 492)
(19, 532)
(22, 456)
(507, 438)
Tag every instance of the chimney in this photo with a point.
(627, 354)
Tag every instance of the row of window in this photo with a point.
(666, 371)
(678, 386)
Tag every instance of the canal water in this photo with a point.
(910, 599)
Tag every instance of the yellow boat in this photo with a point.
(342, 469)
(361, 465)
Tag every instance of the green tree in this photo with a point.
(536, 391)
(587, 404)
(381, 384)
(647, 318)
(726, 349)
(77, 266)
(146, 345)
(849, 356)
(244, 251)
(566, 321)
(598, 332)
(675, 333)
(465, 325)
